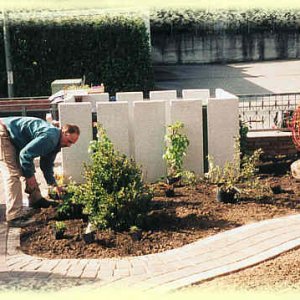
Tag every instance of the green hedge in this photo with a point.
(113, 50)
(205, 22)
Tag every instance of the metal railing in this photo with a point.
(268, 111)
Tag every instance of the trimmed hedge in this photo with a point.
(113, 50)
(205, 22)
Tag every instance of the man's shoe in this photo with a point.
(20, 222)
(44, 203)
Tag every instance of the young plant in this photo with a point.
(113, 195)
(60, 226)
(59, 229)
(243, 138)
(239, 172)
(188, 178)
(135, 233)
(175, 150)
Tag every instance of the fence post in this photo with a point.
(9, 71)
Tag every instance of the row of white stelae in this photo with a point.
(137, 127)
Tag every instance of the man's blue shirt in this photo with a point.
(33, 138)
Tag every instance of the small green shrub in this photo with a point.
(241, 173)
(188, 178)
(113, 195)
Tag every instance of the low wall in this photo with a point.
(272, 143)
(185, 48)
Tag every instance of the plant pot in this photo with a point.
(169, 192)
(136, 235)
(225, 196)
(59, 234)
(89, 237)
(173, 180)
(276, 189)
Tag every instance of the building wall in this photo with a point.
(219, 48)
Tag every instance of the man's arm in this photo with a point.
(47, 165)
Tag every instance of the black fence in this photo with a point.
(268, 111)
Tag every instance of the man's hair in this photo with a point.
(71, 128)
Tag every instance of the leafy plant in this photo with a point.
(226, 178)
(240, 172)
(188, 178)
(244, 129)
(60, 226)
(175, 149)
(64, 209)
(113, 195)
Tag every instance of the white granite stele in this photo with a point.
(149, 131)
(190, 113)
(197, 94)
(163, 95)
(95, 98)
(74, 157)
(130, 98)
(115, 120)
(222, 126)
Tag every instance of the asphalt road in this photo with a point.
(239, 78)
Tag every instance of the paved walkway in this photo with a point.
(174, 269)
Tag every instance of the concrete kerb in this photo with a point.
(174, 269)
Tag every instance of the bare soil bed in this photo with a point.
(193, 213)
(280, 274)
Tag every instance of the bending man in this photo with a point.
(21, 140)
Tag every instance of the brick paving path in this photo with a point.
(207, 258)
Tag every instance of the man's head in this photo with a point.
(69, 135)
